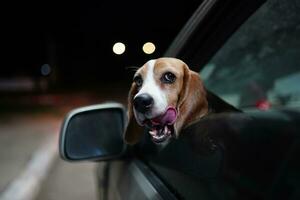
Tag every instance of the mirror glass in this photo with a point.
(93, 133)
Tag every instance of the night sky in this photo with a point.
(76, 39)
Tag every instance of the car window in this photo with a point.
(259, 66)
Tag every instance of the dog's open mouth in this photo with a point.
(162, 127)
(161, 133)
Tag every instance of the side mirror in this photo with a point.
(93, 133)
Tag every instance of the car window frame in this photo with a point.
(207, 30)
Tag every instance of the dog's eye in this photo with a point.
(168, 78)
(138, 81)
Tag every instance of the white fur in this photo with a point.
(150, 87)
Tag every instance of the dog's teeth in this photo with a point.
(158, 137)
(166, 130)
(153, 132)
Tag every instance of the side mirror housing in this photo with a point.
(93, 133)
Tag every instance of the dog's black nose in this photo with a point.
(143, 103)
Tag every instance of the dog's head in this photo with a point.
(165, 97)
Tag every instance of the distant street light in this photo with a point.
(45, 69)
(119, 48)
(148, 48)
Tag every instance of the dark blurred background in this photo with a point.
(56, 56)
(59, 53)
(69, 45)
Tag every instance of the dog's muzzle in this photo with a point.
(160, 127)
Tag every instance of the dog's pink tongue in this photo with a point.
(168, 117)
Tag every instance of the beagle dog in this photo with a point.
(165, 97)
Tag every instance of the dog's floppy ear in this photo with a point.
(133, 131)
(192, 103)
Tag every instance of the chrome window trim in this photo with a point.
(145, 185)
(148, 182)
(189, 28)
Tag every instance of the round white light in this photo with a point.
(148, 48)
(119, 48)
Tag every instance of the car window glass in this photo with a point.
(259, 66)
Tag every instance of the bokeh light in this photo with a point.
(148, 48)
(119, 48)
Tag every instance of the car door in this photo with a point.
(249, 155)
(133, 179)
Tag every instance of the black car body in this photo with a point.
(247, 52)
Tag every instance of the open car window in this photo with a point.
(259, 65)
(253, 155)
